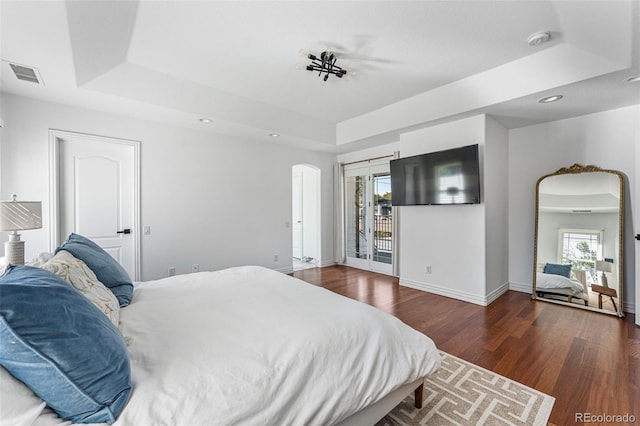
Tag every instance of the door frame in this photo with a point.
(372, 167)
(312, 204)
(55, 138)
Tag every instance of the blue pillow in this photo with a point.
(552, 268)
(108, 271)
(59, 344)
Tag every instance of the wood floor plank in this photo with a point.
(589, 362)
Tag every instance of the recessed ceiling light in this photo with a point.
(206, 120)
(538, 38)
(274, 135)
(549, 99)
(633, 79)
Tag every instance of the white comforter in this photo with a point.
(253, 346)
(555, 282)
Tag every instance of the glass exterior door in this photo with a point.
(382, 219)
(368, 217)
(356, 209)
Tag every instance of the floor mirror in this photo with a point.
(578, 259)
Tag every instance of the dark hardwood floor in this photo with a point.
(589, 362)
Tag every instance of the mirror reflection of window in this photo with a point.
(581, 248)
(450, 183)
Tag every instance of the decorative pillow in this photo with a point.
(77, 273)
(107, 269)
(563, 270)
(60, 345)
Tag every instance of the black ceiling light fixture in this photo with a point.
(325, 64)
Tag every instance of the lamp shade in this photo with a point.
(20, 215)
(603, 266)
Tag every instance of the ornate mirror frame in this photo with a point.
(579, 169)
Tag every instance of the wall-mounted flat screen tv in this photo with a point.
(444, 177)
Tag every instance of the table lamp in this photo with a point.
(604, 266)
(18, 216)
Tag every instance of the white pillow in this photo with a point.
(18, 404)
(77, 273)
(40, 260)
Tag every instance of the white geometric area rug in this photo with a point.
(464, 394)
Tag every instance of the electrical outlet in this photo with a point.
(428, 269)
(146, 230)
(195, 268)
(171, 271)
(275, 257)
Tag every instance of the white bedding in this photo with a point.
(551, 282)
(249, 345)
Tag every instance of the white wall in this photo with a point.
(450, 239)
(605, 139)
(209, 199)
(495, 186)
(453, 240)
(366, 154)
(465, 247)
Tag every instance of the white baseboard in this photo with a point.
(629, 307)
(285, 269)
(289, 269)
(456, 294)
(522, 288)
(491, 297)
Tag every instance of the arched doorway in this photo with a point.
(305, 215)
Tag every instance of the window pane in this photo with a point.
(580, 249)
(382, 219)
(356, 226)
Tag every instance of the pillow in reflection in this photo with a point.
(552, 268)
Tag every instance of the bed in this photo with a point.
(558, 285)
(247, 345)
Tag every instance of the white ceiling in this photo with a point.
(235, 62)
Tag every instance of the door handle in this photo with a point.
(124, 231)
(638, 237)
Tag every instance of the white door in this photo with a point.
(356, 205)
(368, 220)
(296, 217)
(97, 194)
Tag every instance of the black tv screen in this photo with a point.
(443, 177)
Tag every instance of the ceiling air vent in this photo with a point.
(26, 73)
